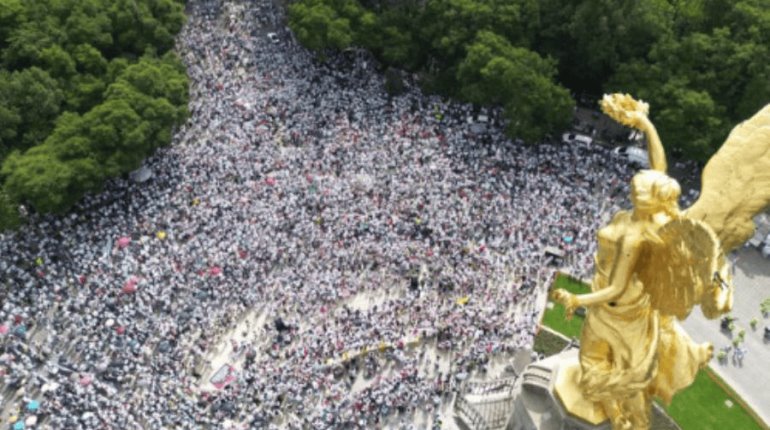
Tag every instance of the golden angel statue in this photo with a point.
(656, 262)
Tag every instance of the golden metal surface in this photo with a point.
(568, 391)
(653, 265)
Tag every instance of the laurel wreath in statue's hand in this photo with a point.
(626, 110)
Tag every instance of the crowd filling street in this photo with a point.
(365, 231)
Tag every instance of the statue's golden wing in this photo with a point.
(677, 270)
(736, 182)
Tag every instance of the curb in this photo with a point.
(712, 374)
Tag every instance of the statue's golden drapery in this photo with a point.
(655, 263)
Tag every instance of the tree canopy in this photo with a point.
(494, 71)
(88, 89)
(703, 65)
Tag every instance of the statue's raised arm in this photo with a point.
(655, 263)
(633, 113)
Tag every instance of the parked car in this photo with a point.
(578, 138)
(273, 37)
(635, 156)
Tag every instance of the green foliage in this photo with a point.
(704, 65)
(80, 99)
(450, 25)
(9, 215)
(138, 25)
(58, 62)
(764, 307)
(47, 182)
(609, 32)
(475, 50)
(687, 119)
(496, 72)
(319, 25)
(29, 101)
(25, 45)
(699, 86)
(548, 343)
(10, 18)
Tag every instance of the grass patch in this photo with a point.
(548, 343)
(701, 406)
(554, 317)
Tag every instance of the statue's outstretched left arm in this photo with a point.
(625, 261)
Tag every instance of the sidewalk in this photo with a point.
(750, 381)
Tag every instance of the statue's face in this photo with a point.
(641, 193)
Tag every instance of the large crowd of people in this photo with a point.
(298, 190)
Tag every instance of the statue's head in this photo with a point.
(653, 192)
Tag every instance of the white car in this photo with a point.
(273, 37)
(578, 138)
(635, 156)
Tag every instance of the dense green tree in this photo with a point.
(9, 214)
(139, 110)
(119, 136)
(713, 62)
(157, 90)
(46, 182)
(138, 25)
(10, 119)
(756, 92)
(86, 23)
(58, 62)
(609, 32)
(89, 60)
(84, 91)
(29, 100)
(27, 43)
(10, 18)
(400, 48)
(395, 37)
(321, 25)
(553, 37)
(689, 120)
(448, 26)
(749, 20)
(159, 77)
(496, 72)
(700, 83)
(80, 98)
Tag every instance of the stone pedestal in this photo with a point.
(539, 405)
